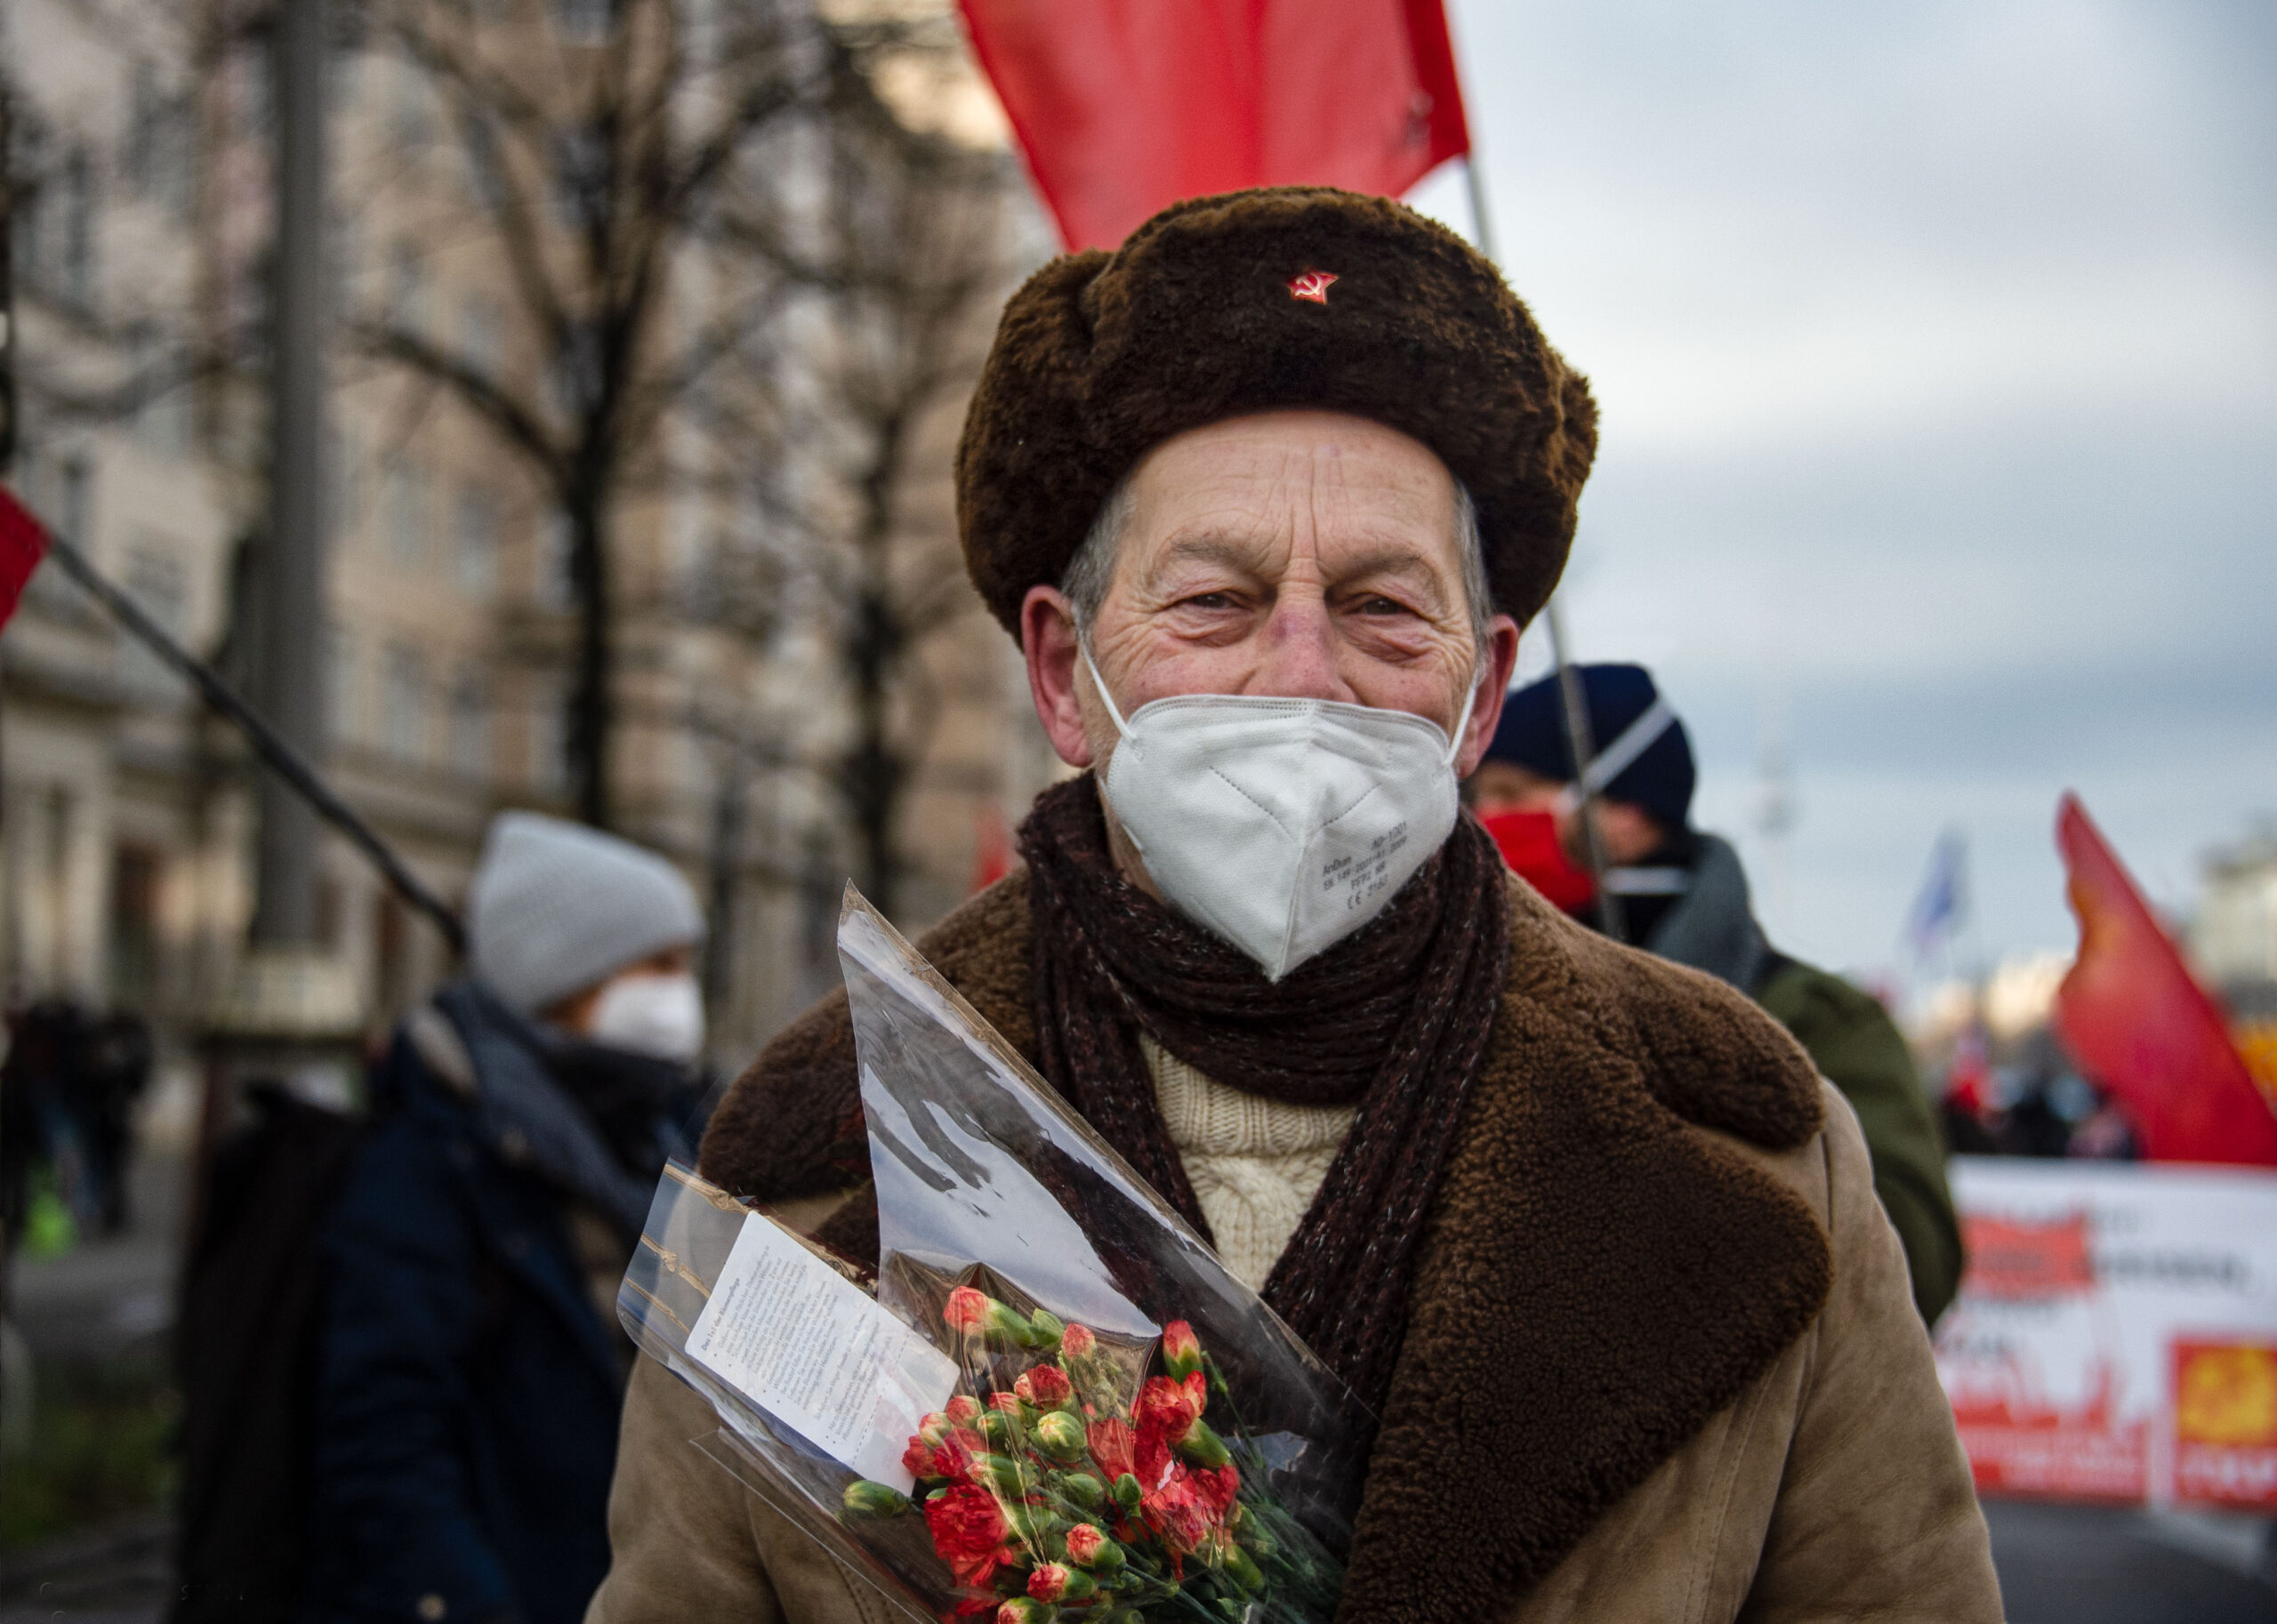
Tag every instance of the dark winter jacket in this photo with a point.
(1849, 1037)
(468, 1388)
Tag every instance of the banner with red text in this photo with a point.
(2116, 1334)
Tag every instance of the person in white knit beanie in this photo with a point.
(469, 1360)
(588, 931)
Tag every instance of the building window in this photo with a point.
(411, 123)
(578, 183)
(162, 399)
(339, 685)
(63, 493)
(556, 585)
(550, 742)
(478, 542)
(404, 498)
(582, 23)
(470, 726)
(479, 328)
(75, 203)
(403, 701)
(159, 134)
(134, 879)
(160, 585)
(346, 483)
(407, 289)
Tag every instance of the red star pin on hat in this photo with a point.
(1311, 285)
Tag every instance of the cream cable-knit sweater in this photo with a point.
(1255, 1163)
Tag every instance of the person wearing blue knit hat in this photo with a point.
(1684, 894)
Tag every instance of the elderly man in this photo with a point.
(1266, 495)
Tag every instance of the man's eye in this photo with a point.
(1382, 606)
(1208, 600)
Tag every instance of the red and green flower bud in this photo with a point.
(962, 1409)
(1077, 1342)
(1243, 1568)
(1060, 1435)
(1203, 1447)
(1080, 1488)
(1036, 1527)
(1049, 1330)
(1002, 1430)
(1056, 1581)
(934, 1427)
(1046, 1386)
(1089, 1546)
(975, 1313)
(864, 1499)
(1020, 1609)
(1005, 1474)
(1181, 1353)
(1128, 1493)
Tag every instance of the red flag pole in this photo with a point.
(1572, 708)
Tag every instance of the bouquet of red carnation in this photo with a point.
(1050, 1402)
(1068, 1491)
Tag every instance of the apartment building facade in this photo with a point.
(128, 812)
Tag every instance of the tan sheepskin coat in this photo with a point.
(1662, 1360)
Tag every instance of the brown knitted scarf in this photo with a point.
(1393, 1019)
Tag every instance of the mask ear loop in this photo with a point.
(1121, 727)
(1462, 722)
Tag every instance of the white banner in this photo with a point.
(2116, 1334)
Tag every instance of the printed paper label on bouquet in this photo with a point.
(813, 1350)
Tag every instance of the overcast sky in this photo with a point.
(1936, 352)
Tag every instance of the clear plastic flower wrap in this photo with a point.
(1057, 1405)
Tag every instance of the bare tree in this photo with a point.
(913, 247)
(80, 347)
(603, 146)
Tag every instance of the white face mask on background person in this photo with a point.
(650, 1014)
(1282, 824)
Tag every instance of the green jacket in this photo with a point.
(1855, 1045)
(1856, 1048)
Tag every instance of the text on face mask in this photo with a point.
(1365, 873)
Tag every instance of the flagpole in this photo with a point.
(1573, 706)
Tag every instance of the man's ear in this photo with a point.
(1048, 639)
(1501, 658)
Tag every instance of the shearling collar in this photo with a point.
(1599, 1279)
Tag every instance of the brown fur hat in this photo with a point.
(1206, 313)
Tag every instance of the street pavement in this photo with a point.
(2081, 1564)
(115, 1575)
(2059, 1565)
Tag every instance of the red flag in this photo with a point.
(23, 543)
(1123, 107)
(2141, 1027)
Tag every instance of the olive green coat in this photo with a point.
(1852, 1040)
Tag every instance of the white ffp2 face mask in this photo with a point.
(650, 1014)
(1282, 824)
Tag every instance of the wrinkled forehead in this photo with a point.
(1274, 487)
